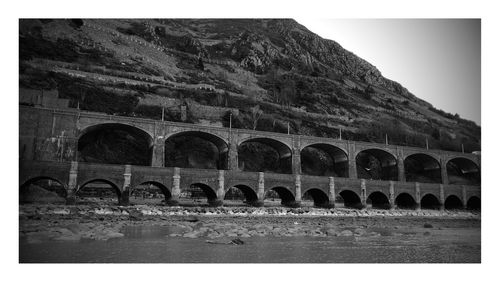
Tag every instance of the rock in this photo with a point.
(359, 231)
(237, 241)
(345, 233)
(75, 228)
(191, 235)
(252, 232)
(331, 232)
(428, 225)
(112, 235)
(61, 211)
(214, 235)
(191, 218)
(316, 233)
(135, 215)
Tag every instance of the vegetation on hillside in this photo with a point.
(278, 74)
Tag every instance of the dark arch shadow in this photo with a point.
(430, 202)
(264, 155)
(196, 191)
(286, 196)
(115, 143)
(149, 192)
(196, 149)
(405, 201)
(242, 192)
(324, 160)
(463, 171)
(376, 164)
(42, 189)
(319, 198)
(351, 199)
(452, 202)
(422, 168)
(379, 200)
(102, 189)
(474, 203)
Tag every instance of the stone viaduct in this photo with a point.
(49, 150)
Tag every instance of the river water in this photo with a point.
(151, 244)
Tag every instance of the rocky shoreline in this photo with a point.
(38, 223)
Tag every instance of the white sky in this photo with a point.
(437, 60)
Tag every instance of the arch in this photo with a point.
(405, 201)
(351, 199)
(430, 202)
(474, 203)
(324, 160)
(248, 194)
(53, 190)
(319, 197)
(198, 190)
(453, 202)
(376, 164)
(463, 171)
(264, 155)
(286, 196)
(280, 144)
(144, 190)
(196, 149)
(115, 143)
(422, 168)
(379, 200)
(84, 190)
(38, 178)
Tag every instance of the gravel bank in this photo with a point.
(75, 223)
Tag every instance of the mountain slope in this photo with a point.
(270, 73)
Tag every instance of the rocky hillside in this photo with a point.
(270, 73)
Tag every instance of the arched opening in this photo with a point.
(463, 171)
(378, 200)
(196, 149)
(430, 202)
(264, 155)
(351, 199)
(150, 193)
(405, 201)
(324, 160)
(474, 203)
(115, 143)
(376, 164)
(42, 190)
(422, 168)
(318, 198)
(98, 191)
(453, 203)
(286, 196)
(196, 193)
(240, 194)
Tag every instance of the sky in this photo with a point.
(437, 60)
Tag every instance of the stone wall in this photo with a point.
(42, 98)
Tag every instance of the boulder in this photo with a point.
(345, 233)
